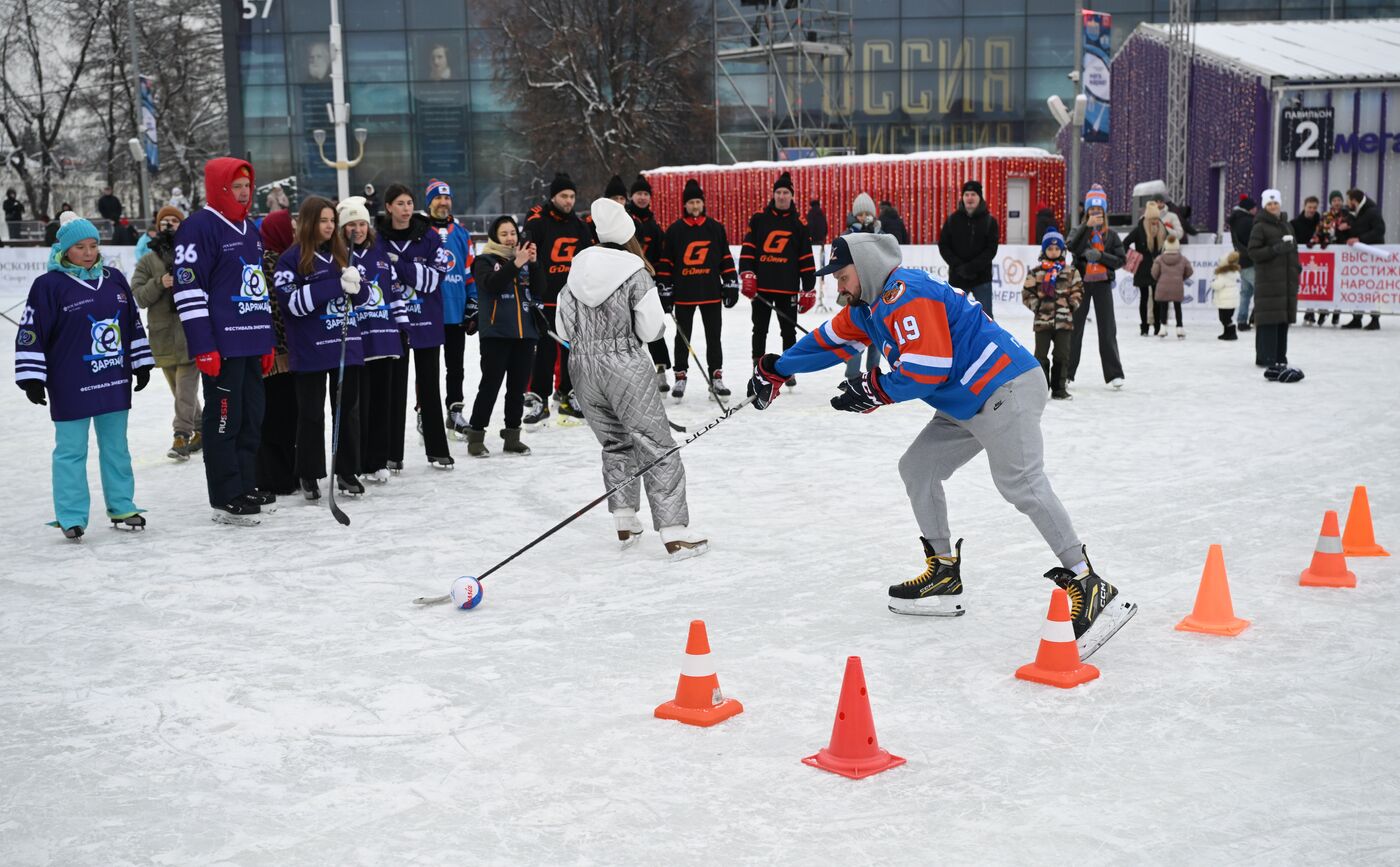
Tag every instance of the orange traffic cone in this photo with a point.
(698, 700)
(1057, 662)
(853, 751)
(1329, 566)
(1358, 539)
(1214, 613)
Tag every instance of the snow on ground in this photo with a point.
(200, 694)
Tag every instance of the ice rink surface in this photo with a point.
(200, 694)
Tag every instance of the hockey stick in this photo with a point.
(438, 600)
(774, 308)
(339, 514)
(564, 343)
(696, 358)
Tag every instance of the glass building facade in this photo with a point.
(926, 75)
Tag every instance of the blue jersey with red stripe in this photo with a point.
(940, 345)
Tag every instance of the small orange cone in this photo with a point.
(698, 700)
(853, 751)
(1057, 662)
(1214, 613)
(1358, 539)
(1329, 566)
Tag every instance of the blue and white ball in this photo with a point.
(466, 592)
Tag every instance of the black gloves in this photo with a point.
(469, 323)
(729, 292)
(143, 377)
(667, 294)
(766, 382)
(861, 394)
(34, 390)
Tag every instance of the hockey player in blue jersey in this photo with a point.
(458, 299)
(80, 346)
(222, 296)
(988, 393)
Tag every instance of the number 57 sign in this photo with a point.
(1305, 134)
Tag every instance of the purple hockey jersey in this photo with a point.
(422, 264)
(221, 293)
(383, 312)
(82, 339)
(314, 309)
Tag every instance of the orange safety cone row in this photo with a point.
(1214, 613)
(1329, 565)
(1358, 539)
(1057, 662)
(698, 700)
(853, 751)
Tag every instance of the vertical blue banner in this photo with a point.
(1097, 77)
(148, 124)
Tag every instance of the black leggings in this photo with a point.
(659, 354)
(508, 359)
(426, 373)
(546, 355)
(376, 398)
(787, 321)
(278, 448)
(1160, 312)
(311, 422)
(711, 316)
(454, 354)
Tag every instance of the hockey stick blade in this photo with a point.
(433, 600)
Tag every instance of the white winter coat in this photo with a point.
(1225, 289)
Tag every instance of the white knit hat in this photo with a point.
(351, 209)
(614, 224)
(1271, 196)
(863, 205)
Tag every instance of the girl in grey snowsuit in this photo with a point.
(609, 311)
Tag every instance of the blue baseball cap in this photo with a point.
(840, 257)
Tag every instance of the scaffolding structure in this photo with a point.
(803, 49)
(1181, 47)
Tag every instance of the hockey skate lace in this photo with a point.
(930, 571)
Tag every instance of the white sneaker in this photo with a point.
(1180, 333)
(1116, 383)
(682, 543)
(378, 477)
(629, 529)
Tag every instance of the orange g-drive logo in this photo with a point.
(695, 253)
(776, 242)
(564, 249)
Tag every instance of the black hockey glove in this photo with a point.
(469, 323)
(667, 293)
(729, 291)
(766, 382)
(34, 390)
(143, 377)
(861, 394)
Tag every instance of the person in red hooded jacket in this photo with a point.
(222, 298)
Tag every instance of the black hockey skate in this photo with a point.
(935, 593)
(569, 413)
(130, 522)
(718, 386)
(445, 462)
(240, 513)
(73, 533)
(349, 485)
(311, 490)
(536, 410)
(1096, 607)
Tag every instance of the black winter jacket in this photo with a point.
(1276, 269)
(503, 298)
(968, 243)
(696, 261)
(778, 250)
(1114, 254)
(1367, 225)
(1240, 222)
(1137, 239)
(558, 238)
(817, 226)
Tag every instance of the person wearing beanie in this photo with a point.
(458, 293)
(863, 220)
(1146, 240)
(420, 264)
(1170, 271)
(317, 293)
(1274, 252)
(778, 250)
(696, 275)
(277, 446)
(1241, 222)
(558, 235)
(820, 232)
(609, 310)
(1097, 252)
(153, 284)
(223, 297)
(989, 396)
(377, 320)
(968, 244)
(616, 190)
(80, 349)
(508, 334)
(1053, 291)
(653, 241)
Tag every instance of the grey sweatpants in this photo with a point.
(1008, 427)
(620, 403)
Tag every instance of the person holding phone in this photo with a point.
(506, 323)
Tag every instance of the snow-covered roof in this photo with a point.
(1303, 51)
(980, 153)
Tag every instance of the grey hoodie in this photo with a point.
(874, 256)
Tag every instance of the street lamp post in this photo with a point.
(341, 165)
(143, 179)
(338, 112)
